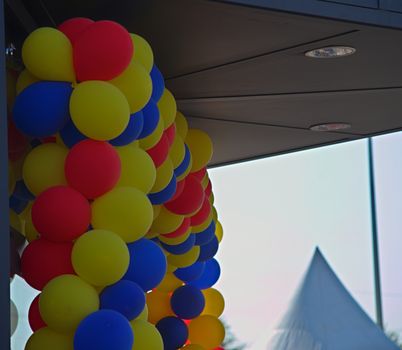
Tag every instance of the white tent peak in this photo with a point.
(324, 316)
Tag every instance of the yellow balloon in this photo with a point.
(175, 240)
(44, 167)
(214, 214)
(177, 151)
(164, 175)
(11, 179)
(146, 336)
(29, 230)
(15, 221)
(200, 146)
(136, 84)
(171, 268)
(201, 227)
(100, 257)
(169, 283)
(157, 210)
(158, 306)
(152, 139)
(151, 235)
(206, 331)
(166, 222)
(17, 166)
(204, 181)
(185, 259)
(219, 231)
(167, 108)
(214, 302)
(212, 198)
(47, 53)
(124, 210)
(181, 125)
(193, 347)
(65, 301)
(137, 168)
(143, 315)
(142, 52)
(99, 110)
(25, 79)
(47, 339)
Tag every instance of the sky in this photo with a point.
(275, 211)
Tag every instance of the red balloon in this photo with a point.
(17, 142)
(190, 200)
(61, 214)
(170, 132)
(74, 27)
(92, 168)
(181, 230)
(102, 52)
(199, 175)
(179, 190)
(160, 151)
(35, 319)
(208, 189)
(202, 214)
(43, 260)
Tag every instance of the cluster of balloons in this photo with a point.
(111, 190)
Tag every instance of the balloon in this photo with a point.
(74, 27)
(190, 273)
(137, 168)
(43, 260)
(208, 192)
(44, 167)
(214, 214)
(25, 79)
(160, 151)
(70, 135)
(190, 200)
(179, 190)
(181, 125)
(124, 210)
(65, 301)
(195, 347)
(214, 302)
(169, 283)
(47, 339)
(204, 237)
(210, 275)
(166, 222)
(209, 250)
(164, 175)
(202, 214)
(18, 205)
(22, 192)
(13, 317)
(42, 108)
(176, 239)
(204, 225)
(102, 52)
(158, 306)
(157, 210)
(61, 214)
(170, 132)
(200, 174)
(100, 257)
(132, 131)
(30, 231)
(180, 248)
(185, 259)
(126, 297)
(219, 231)
(47, 54)
(164, 195)
(153, 138)
(144, 314)
(177, 151)
(92, 168)
(187, 302)
(104, 330)
(206, 331)
(167, 108)
(200, 146)
(142, 52)
(99, 110)
(158, 83)
(151, 119)
(181, 230)
(146, 336)
(174, 332)
(147, 264)
(185, 166)
(35, 319)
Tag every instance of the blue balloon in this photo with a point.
(184, 164)
(42, 109)
(158, 83)
(174, 332)
(151, 118)
(147, 265)
(208, 251)
(164, 195)
(180, 248)
(125, 296)
(71, 135)
(17, 204)
(132, 131)
(104, 330)
(21, 191)
(187, 302)
(209, 277)
(190, 273)
(204, 237)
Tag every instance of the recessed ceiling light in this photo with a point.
(330, 127)
(331, 52)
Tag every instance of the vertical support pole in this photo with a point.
(374, 226)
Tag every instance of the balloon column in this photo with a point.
(113, 195)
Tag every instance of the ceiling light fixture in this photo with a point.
(331, 52)
(330, 127)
